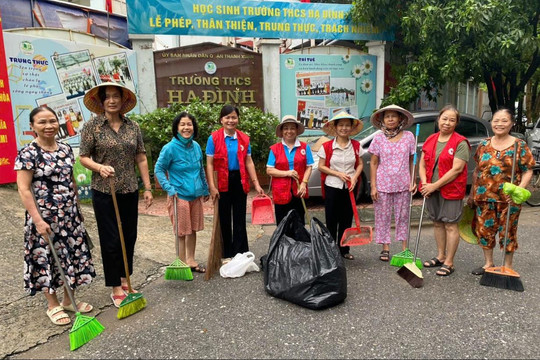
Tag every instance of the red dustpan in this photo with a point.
(262, 211)
(360, 235)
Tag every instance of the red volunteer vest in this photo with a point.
(456, 189)
(281, 187)
(328, 150)
(221, 159)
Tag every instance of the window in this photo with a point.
(426, 128)
(471, 129)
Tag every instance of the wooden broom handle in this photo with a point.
(120, 232)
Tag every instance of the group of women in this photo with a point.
(112, 147)
(443, 173)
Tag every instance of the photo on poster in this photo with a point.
(312, 113)
(342, 92)
(68, 112)
(115, 68)
(75, 73)
(313, 83)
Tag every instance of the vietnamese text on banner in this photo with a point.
(238, 18)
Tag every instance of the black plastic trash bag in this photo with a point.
(304, 267)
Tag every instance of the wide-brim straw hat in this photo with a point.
(292, 120)
(465, 225)
(93, 102)
(330, 127)
(377, 116)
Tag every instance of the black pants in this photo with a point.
(109, 239)
(282, 210)
(338, 213)
(232, 217)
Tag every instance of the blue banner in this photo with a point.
(238, 18)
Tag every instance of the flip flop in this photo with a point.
(384, 255)
(117, 297)
(198, 268)
(82, 307)
(125, 289)
(56, 314)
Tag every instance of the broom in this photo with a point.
(410, 272)
(133, 302)
(406, 256)
(84, 328)
(178, 270)
(502, 277)
(216, 246)
(308, 217)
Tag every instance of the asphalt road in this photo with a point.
(382, 317)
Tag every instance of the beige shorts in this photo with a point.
(190, 215)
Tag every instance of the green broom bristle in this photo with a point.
(178, 270)
(132, 304)
(405, 257)
(84, 329)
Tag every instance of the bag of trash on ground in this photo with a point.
(304, 267)
(239, 265)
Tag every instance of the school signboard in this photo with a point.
(214, 73)
(240, 18)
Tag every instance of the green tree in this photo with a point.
(490, 41)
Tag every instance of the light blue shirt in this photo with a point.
(232, 150)
(290, 155)
(179, 170)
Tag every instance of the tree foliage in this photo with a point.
(491, 41)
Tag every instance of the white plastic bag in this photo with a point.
(239, 265)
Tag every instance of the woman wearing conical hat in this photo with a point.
(340, 164)
(392, 151)
(111, 146)
(289, 164)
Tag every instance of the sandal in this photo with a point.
(434, 262)
(56, 314)
(198, 268)
(481, 270)
(82, 307)
(445, 270)
(385, 255)
(348, 256)
(125, 289)
(115, 298)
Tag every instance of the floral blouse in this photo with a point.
(494, 168)
(117, 149)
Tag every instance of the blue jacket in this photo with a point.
(179, 170)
